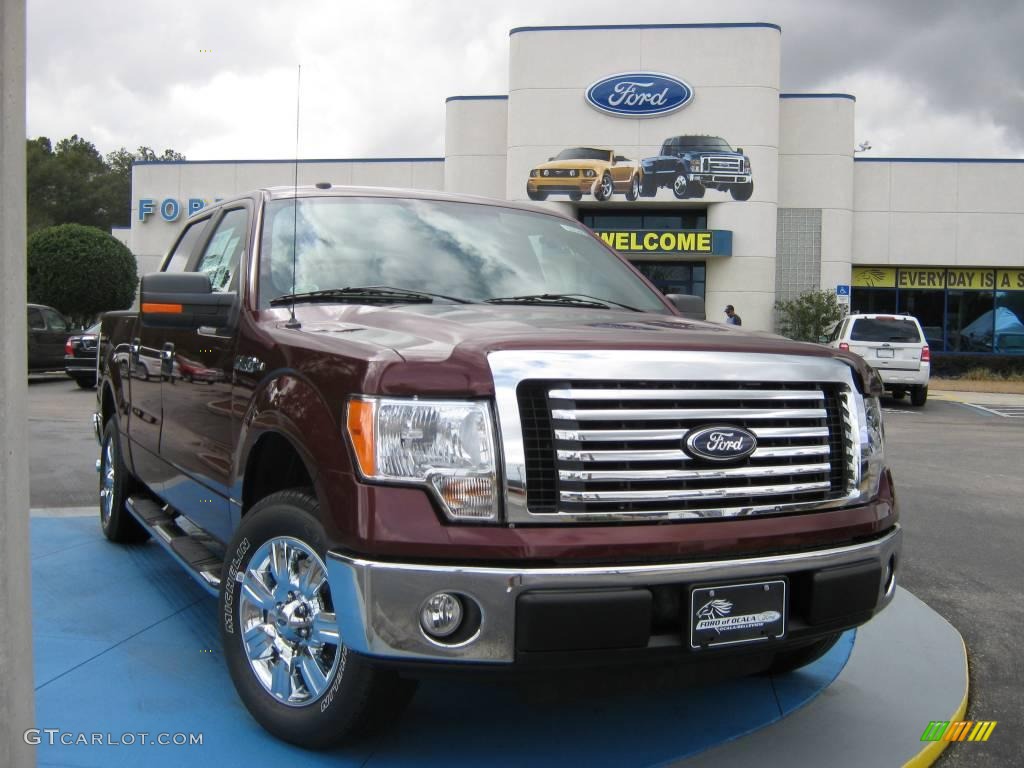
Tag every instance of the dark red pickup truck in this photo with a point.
(394, 431)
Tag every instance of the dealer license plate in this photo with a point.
(737, 613)
(884, 353)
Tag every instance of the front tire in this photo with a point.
(742, 192)
(918, 396)
(281, 641)
(116, 484)
(680, 186)
(604, 188)
(536, 194)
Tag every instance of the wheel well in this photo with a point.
(274, 465)
(107, 405)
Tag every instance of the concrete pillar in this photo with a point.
(17, 709)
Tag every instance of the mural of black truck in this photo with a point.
(688, 165)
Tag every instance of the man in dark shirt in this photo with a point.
(731, 318)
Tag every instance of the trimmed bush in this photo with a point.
(81, 271)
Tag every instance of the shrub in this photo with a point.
(80, 271)
(808, 316)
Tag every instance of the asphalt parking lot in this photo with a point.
(959, 482)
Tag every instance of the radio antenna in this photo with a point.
(292, 322)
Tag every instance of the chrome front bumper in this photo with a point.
(378, 603)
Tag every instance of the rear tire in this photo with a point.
(919, 395)
(898, 394)
(293, 673)
(116, 485)
(789, 661)
(86, 382)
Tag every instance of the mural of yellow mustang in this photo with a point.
(580, 171)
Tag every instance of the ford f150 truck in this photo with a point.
(394, 431)
(690, 164)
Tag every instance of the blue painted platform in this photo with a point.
(125, 642)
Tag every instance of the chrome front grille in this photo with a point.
(597, 449)
(715, 164)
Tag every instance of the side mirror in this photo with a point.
(689, 306)
(550, 159)
(621, 159)
(184, 301)
(740, 150)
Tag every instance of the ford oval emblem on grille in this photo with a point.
(639, 94)
(720, 443)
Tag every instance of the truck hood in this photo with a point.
(444, 347)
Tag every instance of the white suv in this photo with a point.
(893, 345)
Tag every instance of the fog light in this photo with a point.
(441, 615)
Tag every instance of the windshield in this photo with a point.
(462, 250)
(583, 153)
(704, 142)
(885, 329)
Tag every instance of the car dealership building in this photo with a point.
(676, 144)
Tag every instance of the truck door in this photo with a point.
(146, 370)
(197, 440)
(51, 339)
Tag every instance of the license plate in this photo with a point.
(884, 353)
(737, 613)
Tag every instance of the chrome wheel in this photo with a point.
(107, 469)
(679, 186)
(607, 187)
(287, 621)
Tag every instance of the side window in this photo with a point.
(54, 322)
(223, 252)
(186, 244)
(35, 320)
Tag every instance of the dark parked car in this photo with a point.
(80, 357)
(47, 334)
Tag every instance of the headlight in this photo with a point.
(533, 173)
(871, 437)
(590, 172)
(447, 445)
(695, 166)
(546, 172)
(746, 165)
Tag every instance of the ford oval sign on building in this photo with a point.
(639, 94)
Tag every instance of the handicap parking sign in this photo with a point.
(842, 290)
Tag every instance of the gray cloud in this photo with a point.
(375, 75)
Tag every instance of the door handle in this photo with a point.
(167, 360)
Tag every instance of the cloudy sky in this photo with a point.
(217, 79)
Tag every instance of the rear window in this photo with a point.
(893, 329)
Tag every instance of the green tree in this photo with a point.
(73, 183)
(81, 271)
(808, 316)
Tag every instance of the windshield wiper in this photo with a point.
(564, 299)
(378, 293)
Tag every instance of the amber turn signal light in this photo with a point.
(360, 431)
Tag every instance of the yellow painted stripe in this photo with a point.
(988, 731)
(930, 753)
